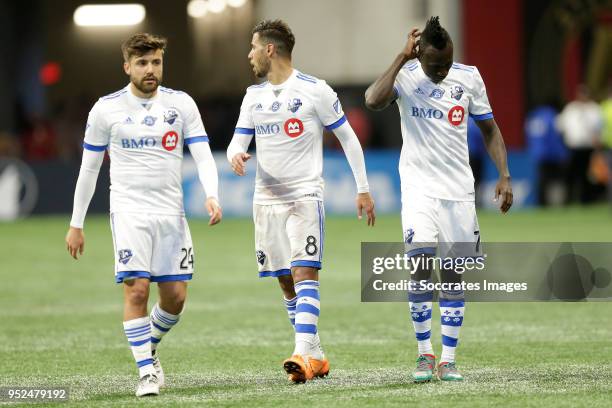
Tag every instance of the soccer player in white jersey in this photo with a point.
(435, 96)
(287, 115)
(143, 127)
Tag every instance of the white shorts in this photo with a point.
(432, 223)
(152, 246)
(288, 235)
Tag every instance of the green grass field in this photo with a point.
(61, 325)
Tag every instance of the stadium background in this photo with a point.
(61, 318)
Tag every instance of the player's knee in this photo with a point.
(287, 286)
(137, 293)
(304, 273)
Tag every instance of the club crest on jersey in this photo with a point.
(170, 116)
(437, 93)
(170, 140)
(261, 257)
(408, 236)
(294, 104)
(125, 255)
(456, 92)
(455, 115)
(149, 120)
(294, 127)
(258, 107)
(337, 106)
(275, 106)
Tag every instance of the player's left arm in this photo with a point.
(207, 172)
(197, 140)
(480, 110)
(331, 115)
(354, 155)
(496, 148)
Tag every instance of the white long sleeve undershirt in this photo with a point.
(85, 186)
(354, 155)
(207, 169)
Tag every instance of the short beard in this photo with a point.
(265, 68)
(146, 89)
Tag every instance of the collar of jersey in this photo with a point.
(135, 100)
(284, 84)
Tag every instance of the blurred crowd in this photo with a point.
(572, 149)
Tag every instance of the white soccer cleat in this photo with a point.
(161, 379)
(147, 385)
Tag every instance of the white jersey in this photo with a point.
(434, 159)
(144, 138)
(287, 121)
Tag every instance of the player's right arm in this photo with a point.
(94, 145)
(243, 134)
(382, 92)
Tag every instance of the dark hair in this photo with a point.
(142, 43)
(278, 33)
(435, 35)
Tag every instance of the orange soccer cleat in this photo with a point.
(300, 370)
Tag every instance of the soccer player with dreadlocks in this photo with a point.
(434, 96)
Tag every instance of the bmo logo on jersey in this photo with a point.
(267, 129)
(427, 113)
(294, 127)
(170, 140)
(140, 143)
(455, 115)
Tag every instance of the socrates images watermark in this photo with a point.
(458, 265)
(507, 272)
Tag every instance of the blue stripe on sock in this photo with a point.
(452, 303)
(292, 321)
(139, 342)
(449, 341)
(306, 328)
(134, 329)
(307, 308)
(164, 319)
(155, 340)
(424, 335)
(452, 321)
(312, 293)
(144, 362)
(161, 328)
(139, 333)
(421, 316)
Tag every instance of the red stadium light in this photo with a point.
(50, 73)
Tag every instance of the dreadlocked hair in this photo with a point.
(434, 34)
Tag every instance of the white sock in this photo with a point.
(138, 333)
(161, 323)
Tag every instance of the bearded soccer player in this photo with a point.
(435, 96)
(287, 115)
(143, 127)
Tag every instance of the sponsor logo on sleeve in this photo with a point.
(337, 106)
